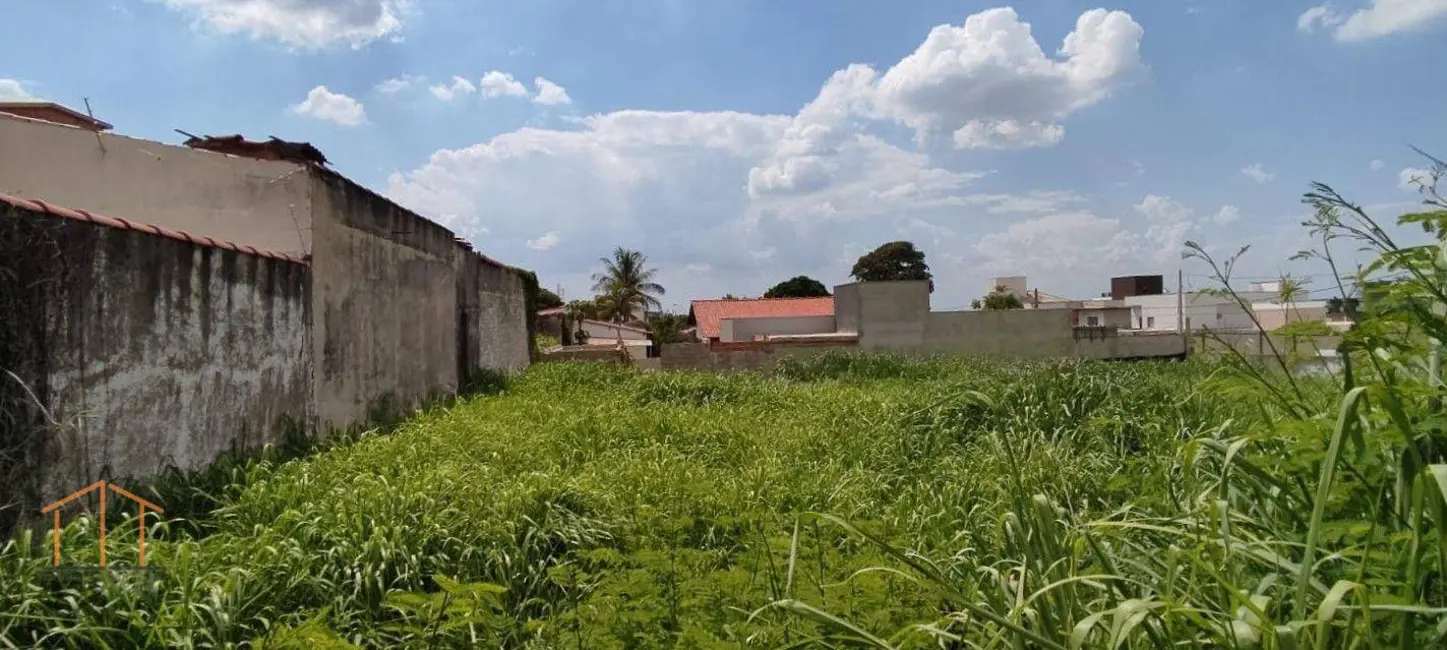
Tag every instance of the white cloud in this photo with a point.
(1378, 18)
(398, 84)
(1319, 17)
(987, 82)
(1227, 214)
(1258, 173)
(1377, 165)
(333, 107)
(11, 90)
(301, 23)
(1008, 134)
(1414, 179)
(992, 70)
(544, 242)
(496, 83)
(757, 197)
(1079, 243)
(460, 86)
(550, 93)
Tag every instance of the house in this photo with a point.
(748, 334)
(1103, 312)
(734, 320)
(636, 340)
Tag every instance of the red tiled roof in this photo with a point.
(41, 110)
(36, 205)
(552, 311)
(708, 313)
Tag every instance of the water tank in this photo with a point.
(1136, 285)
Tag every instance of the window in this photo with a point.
(1188, 322)
(1093, 321)
(1150, 321)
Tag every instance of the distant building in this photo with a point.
(734, 320)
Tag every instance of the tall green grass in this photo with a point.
(591, 506)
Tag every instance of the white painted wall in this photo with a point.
(1201, 311)
(260, 203)
(603, 333)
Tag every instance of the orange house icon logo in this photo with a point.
(102, 486)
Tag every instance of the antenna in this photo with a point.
(98, 141)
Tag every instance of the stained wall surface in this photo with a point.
(146, 351)
(386, 303)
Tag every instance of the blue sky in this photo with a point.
(740, 143)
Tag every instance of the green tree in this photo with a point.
(667, 328)
(547, 299)
(626, 285)
(895, 261)
(799, 286)
(998, 298)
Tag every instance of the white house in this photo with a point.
(1200, 310)
(635, 339)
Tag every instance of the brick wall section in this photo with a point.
(752, 355)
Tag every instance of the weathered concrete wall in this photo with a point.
(1027, 333)
(886, 315)
(605, 353)
(740, 356)
(745, 329)
(1108, 343)
(385, 296)
(148, 350)
(258, 203)
(502, 319)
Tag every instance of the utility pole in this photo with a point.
(1181, 309)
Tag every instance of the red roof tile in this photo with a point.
(36, 205)
(708, 313)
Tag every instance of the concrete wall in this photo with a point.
(1028, 333)
(258, 203)
(1107, 343)
(886, 315)
(740, 356)
(1273, 316)
(1109, 317)
(151, 351)
(385, 295)
(745, 329)
(495, 322)
(604, 353)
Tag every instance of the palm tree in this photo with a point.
(627, 284)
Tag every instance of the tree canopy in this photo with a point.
(626, 285)
(998, 298)
(892, 262)
(547, 299)
(799, 286)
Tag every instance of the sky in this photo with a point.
(738, 143)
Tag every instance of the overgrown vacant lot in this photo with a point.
(968, 503)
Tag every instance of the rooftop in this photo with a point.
(706, 314)
(44, 110)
